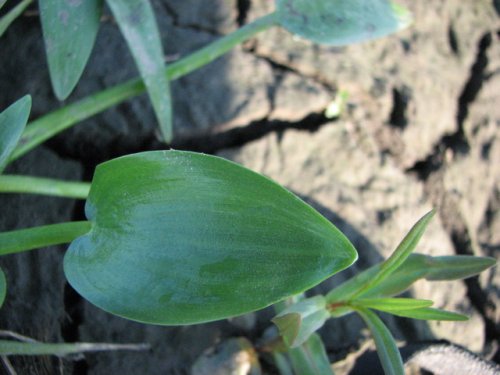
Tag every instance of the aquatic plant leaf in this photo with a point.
(340, 22)
(12, 123)
(181, 238)
(69, 30)
(138, 25)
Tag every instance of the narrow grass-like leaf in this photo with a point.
(311, 358)
(340, 22)
(386, 346)
(12, 123)
(3, 287)
(11, 16)
(69, 31)
(457, 267)
(429, 313)
(138, 24)
(402, 252)
(8, 348)
(282, 364)
(414, 268)
(181, 238)
(2, 3)
(393, 304)
(419, 266)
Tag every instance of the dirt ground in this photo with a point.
(420, 129)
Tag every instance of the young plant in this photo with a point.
(178, 238)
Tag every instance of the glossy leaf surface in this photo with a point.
(12, 123)
(138, 25)
(69, 30)
(3, 287)
(180, 238)
(340, 22)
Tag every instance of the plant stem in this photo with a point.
(55, 122)
(20, 240)
(45, 186)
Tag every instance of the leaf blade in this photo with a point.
(431, 314)
(69, 31)
(12, 123)
(338, 22)
(206, 232)
(138, 25)
(387, 350)
(393, 304)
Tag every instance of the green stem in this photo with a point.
(55, 122)
(20, 240)
(10, 17)
(45, 186)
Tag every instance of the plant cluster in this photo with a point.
(176, 238)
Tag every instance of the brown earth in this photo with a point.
(420, 129)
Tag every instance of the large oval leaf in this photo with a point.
(69, 29)
(12, 123)
(341, 22)
(180, 238)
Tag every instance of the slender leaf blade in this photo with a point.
(138, 25)
(430, 313)
(311, 357)
(11, 16)
(3, 287)
(393, 304)
(182, 238)
(401, 254)
(340, 22)
(12, 123)
(457, 267)
(69, 30)
(387, 350)
(2, 3)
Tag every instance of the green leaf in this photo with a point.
(3, 287)
(429, 313)
(8, 348)
(182, 238)
(11, 16)
(2, 3)
(297, 322)
(311, 358)
(69, 31)
(340, 22)
(457, 267)
(414, 268)
(391, 305)
(138, 24)
(419, 266)
(401, 254)
(349, 288)
(12, 123)
(387, 350)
